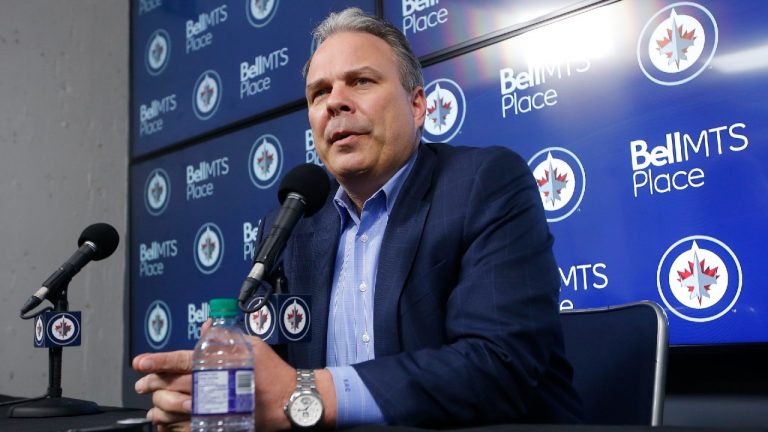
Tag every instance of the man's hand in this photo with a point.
(169, 379)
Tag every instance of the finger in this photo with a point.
(205, 327)
(173, 362)
(173, 382)
(172, 402)
(167, 419)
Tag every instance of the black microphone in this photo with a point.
(302, 192)
(97, 242)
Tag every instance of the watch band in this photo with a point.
(305, 388)
(305, 380)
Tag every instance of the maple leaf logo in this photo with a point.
(698, 280)
(156, 191)
(552, 184)
(206, 95)
(157, 324)
(675, 46)
(260, 320)
(157, 51)
(62, 328)
(39, 329)
(261, 5)
(439, 112)
(208, 247)
(295, 317)
(264, 161)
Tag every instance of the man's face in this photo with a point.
(365, 124)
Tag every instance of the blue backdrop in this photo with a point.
(643, 123)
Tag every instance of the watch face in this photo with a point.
(306, 410)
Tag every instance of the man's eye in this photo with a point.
(320, 93)
(363, 81)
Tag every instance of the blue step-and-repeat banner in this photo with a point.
(643, 122)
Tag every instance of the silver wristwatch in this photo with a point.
(305, 407)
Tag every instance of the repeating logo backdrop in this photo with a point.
(643, 124)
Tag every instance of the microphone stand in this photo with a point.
(53, 405)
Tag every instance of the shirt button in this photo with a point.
(366, 338)
(363, 287)
(364, 238)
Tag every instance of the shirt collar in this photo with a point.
(389, 192)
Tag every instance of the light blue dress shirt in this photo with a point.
(350, 320)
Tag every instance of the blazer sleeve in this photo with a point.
(502, 359)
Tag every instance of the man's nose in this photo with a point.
(339, 100)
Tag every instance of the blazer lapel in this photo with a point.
(398, 248)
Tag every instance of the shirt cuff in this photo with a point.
(355, 405)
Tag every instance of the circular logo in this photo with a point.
(63, 328)
(157, 324)
(209, 248)
(157, 191)
(39, 331)
(158, 52)
(294, 313)
(561, 180)
(677, 43)
(699, 278)
(265, 161)
(446, 108)
(260, 12)
(262, 322)
(207, 94)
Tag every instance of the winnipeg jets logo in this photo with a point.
(699, 278)
(157, 191)
(677, 44)
(157, 52)
(260, 323)
(266, 161)
(157, 324)
(260, 12)
(294, 313)
(63, 328)
(209, 248)
(446, 108)
(561, 181)
(207, 95)
(39, 332)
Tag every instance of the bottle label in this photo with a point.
(222, 391)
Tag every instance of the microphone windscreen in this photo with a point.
(104, 236)
(311, 182)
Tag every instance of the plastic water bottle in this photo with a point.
(222, 374)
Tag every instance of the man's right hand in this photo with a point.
(169, 379)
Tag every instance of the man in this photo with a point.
(433, 282)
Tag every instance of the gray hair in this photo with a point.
(355, 20)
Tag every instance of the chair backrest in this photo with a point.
(619, 357)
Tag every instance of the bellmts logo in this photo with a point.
(680, 148)
(157, 52)
(415, 19)
(249, 85)
(446, 109)
(195, 319)
(677, 43)
(150, 120)
(206, 94)
(157, 324)
(260, 12)
(561, 180)
(199, 178)
(265, 161)
(250, 234)
(157, 192)
(699, 278)
(152, 255)
(198, 32)
(209, 248)
(309, 148)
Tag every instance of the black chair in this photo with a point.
(619, 357)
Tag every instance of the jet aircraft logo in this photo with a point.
(265, 161)
(677, 43)
(157, 324)
(209, 248)
(157, 191)
(157, 52)
(294, 313)
(261, 323)
(63, 328)
(446, 108)
(699, 278)
(561, 180)
(260, 12)
(207, 94)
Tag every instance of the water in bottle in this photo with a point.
(222, 375)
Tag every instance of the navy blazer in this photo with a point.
(466, 318)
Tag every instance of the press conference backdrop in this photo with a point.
(643, 122)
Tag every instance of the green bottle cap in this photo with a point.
(223, 307)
